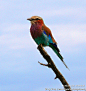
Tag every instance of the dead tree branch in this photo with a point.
(53, 67)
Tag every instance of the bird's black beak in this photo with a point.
(29, 19)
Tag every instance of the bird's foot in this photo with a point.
(39, 46)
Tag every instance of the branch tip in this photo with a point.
(56, 77)
(42, 64)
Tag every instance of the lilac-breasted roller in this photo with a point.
(42, 35)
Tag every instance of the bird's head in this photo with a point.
(35, 19)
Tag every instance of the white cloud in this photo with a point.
(72, 12)
(16, 36)
(69, 36)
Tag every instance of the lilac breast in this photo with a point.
(36, 30)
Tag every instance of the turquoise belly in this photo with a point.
(43, 39)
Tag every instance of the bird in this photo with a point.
(41, 34)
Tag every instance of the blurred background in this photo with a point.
(19, 68)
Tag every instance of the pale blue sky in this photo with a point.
(19, 69)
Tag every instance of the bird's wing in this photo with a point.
(47, 31)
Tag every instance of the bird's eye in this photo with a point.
(37, 19)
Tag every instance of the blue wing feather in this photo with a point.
(44, 32)
(49, 37)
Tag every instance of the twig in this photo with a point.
(53, 67)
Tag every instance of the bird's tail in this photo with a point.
(56, 50)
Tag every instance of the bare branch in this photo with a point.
(53, 67)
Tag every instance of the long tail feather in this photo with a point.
(56, 50)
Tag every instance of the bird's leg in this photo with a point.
(39, 45)
(49, 64)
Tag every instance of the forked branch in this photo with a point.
(53, 67)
